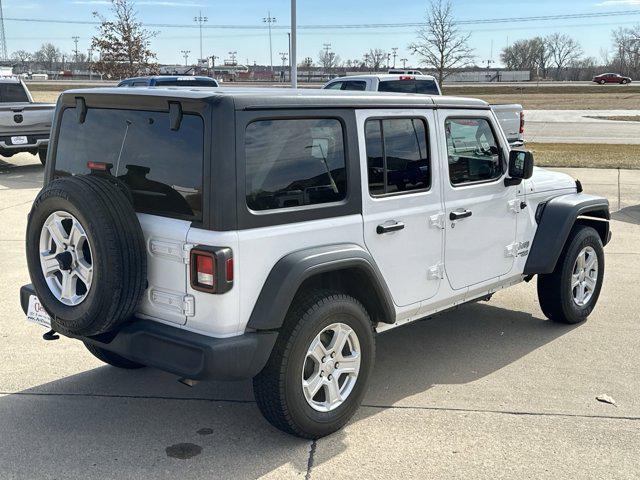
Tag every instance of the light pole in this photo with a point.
(200, 20)
(395, 54)
(404, 62)
(185, 54)
(233, 54)
(284, 56)
(293, 60)
(269, 20)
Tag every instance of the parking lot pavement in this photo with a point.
(578, 126)
(490, 390)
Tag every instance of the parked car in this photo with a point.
(510, 116)
(611, 78)
(230, 234)
(24, 124)
(169, 81)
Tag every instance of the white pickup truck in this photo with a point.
(510, 116)
(24, 124)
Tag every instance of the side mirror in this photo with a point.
(520, 164)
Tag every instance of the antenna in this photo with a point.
(3, 40)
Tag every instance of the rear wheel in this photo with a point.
(624, 81)
(569, 294)
(111, 358)
(318, 371)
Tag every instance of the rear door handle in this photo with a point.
(459, 214)
(391, 227)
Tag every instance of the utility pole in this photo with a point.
(328, 60)
(269, 20)
(284, 56)
(404, 62)
(233, 54)
(89, 58)
(3, 40)
(185, 54)
(75, 40)
(200, 20)
(293, 59)
(213, 65)
(388, 60)
(395, 54)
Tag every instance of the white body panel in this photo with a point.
(404, 257)
(165, 239)
(472, 250)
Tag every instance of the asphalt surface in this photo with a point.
(579, 126)
(491, 390)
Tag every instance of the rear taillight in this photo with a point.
(521, 122)
(211, 269)
(407, 77)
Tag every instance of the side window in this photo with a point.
(293, 163)
(335, 86)
(473, 152)
(397, 155)
(358, 85)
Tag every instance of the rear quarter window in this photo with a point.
(294, 163)
(161, 167)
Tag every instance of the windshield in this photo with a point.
(161, 167)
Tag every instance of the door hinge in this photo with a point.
(512, 250)
(437, 221)
(186, 252)
(436, 272)
(514, 206)
(189, 305)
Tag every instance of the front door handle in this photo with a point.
(391, 227)
(459, 214)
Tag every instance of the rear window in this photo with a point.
(294, 163)
(161, 167)
(173, 82)
(425, 87)
(12, 92)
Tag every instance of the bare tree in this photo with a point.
(441, 45)
(21, 57)
(531, 54)
(328, 60)
(123, 43)
(48, 54)
(375, 58)
(564, 50)
(626, 51)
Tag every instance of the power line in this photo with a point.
(569, 16)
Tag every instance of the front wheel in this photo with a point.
(318, 371)
(602, 82)
(570, 293)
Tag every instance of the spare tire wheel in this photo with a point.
(86, 254)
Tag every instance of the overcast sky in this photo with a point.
(252, 45)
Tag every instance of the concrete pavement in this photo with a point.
(578, 126)
(491, 390)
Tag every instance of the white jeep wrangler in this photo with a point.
(271, 234)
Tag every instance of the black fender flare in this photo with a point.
(555, 221)
(289, 273)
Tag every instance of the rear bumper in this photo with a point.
(181, 352)
(35, 142)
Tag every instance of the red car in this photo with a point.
(611, 78)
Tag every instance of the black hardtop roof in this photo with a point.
(266, 98)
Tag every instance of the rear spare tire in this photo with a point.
(86, 254)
